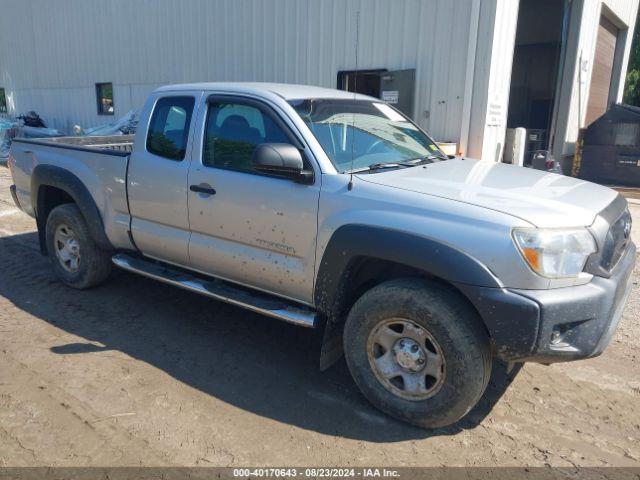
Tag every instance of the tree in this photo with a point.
(632, 86)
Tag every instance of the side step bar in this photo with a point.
(220, 290)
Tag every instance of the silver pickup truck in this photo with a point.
(334, 211)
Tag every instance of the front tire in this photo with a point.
(417, 351)
(76, 259)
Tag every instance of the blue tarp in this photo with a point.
(124, 125)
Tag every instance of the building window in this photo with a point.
(104, 97)
(3, 101)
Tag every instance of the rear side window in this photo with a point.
(169, 127)
(233, 132)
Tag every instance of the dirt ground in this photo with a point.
(138, 373)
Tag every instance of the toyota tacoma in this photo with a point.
(333, 210)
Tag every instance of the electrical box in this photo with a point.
(514, 148)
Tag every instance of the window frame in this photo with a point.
(266, 110)
(188, 126)
(99, 97)
(4, 108)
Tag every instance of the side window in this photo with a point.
(233, 132)
(169, 127)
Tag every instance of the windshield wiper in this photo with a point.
(409, 163)
(378, 166)
(428, 158)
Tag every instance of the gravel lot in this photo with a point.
(138, 373)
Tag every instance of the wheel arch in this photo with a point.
(352, 246)
(359, 257)
(52, 186)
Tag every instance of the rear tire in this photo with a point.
(418, 352)
(76, 259)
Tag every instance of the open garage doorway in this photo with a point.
(536, 65)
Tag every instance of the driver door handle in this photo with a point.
(206, 189)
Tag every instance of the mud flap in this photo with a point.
(331, 350)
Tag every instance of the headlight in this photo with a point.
(555, 253)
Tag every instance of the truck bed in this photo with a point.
(99, 163)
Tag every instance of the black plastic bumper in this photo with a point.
(14, 195)
(559, 324)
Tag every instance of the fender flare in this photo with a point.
(52, 176)
(497, 306)
(434, 257)
(352, 242)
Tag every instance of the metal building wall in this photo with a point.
(53, 53)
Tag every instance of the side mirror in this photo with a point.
(281, 160)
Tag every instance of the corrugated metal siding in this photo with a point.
(53, 53)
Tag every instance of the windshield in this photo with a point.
(357, 134)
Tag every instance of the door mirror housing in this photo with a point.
(281, 160)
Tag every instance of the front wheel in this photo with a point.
(76, 259)
(417, 351)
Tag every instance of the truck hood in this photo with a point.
(540, 198)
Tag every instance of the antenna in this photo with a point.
(355, 93)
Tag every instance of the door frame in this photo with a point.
(617, 79)
(197, 148)
(571, 74)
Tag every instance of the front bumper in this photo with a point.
(559, 324)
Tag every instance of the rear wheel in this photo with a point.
(417, 351)
(76, 259)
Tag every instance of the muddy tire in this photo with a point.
(417, 351)
(77, 260)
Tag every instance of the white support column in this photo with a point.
(492, 78)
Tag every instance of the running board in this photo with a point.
(220, 290)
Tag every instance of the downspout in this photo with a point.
(470, 73)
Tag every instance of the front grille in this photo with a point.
(613, 242)
(616, 242)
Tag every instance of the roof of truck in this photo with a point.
(284, 90)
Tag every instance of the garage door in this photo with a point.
(602, 70)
